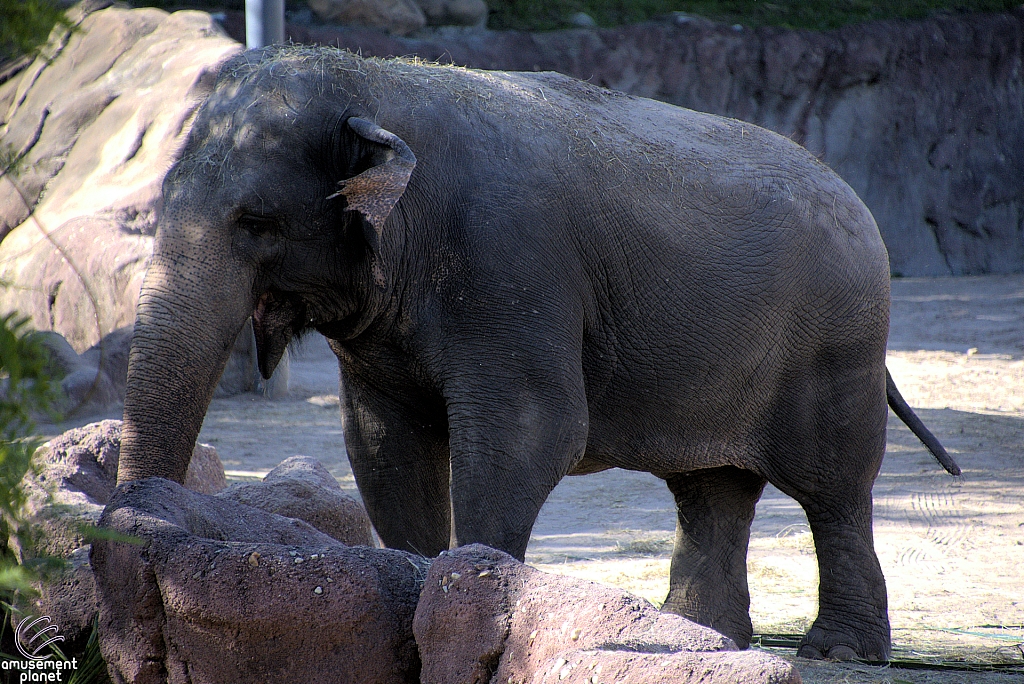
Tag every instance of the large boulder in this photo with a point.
(72, 479)
(92, 381)
(394, 16)
(75, 475)
(454, 12)
(483, 616)
(301, 487)
(224, 592)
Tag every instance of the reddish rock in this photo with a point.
(75, 477)
(224, 592)
(205, 472)
(68, 599)
(301, 487)
(483, 616)
(76, 474)
(629, 667)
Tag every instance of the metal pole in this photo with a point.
(264, 22)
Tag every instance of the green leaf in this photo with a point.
(26, 24)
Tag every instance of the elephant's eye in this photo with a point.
(257, 225)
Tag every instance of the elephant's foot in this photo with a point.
(853, 616)
(833, 644)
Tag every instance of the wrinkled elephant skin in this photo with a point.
(524, 277)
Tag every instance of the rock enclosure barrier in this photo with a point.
(225, 592)
(221, 591)
(484, 616)
(75, 480)
(277, 581)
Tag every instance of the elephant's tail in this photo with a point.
(900, 407)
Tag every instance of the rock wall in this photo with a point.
(924, 119)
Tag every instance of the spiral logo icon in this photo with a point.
(32, 636)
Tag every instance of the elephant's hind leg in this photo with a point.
(708, 579)
(829, 456)
(853, 619)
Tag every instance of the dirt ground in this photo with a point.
(952, 550)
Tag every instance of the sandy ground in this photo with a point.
(952, 550)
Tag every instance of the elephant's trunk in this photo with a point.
(189, 315)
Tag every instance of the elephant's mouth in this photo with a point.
(277, 318)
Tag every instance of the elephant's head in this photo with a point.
(275, 210)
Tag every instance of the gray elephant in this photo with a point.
(525, 277)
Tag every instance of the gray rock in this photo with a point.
(110, 355)
(454, 12)
(301, 487)
(88, 389)
(483, 616)
(63, 359)
(217, 594)
(582, 20)
(92, 381)
(394, 16)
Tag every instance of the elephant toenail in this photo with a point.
(810, 652)
(842, 652)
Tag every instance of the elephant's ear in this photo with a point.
(375, 191)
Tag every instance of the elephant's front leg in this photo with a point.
(399, 456)
(708, 577)
(513, 434)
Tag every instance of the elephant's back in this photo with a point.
(681, 218)
(731, 264)
(687, 172)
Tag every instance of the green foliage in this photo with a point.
(91, 667)
(25, 390)
(26, 24)
(809, 14)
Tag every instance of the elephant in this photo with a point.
(524, 277)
